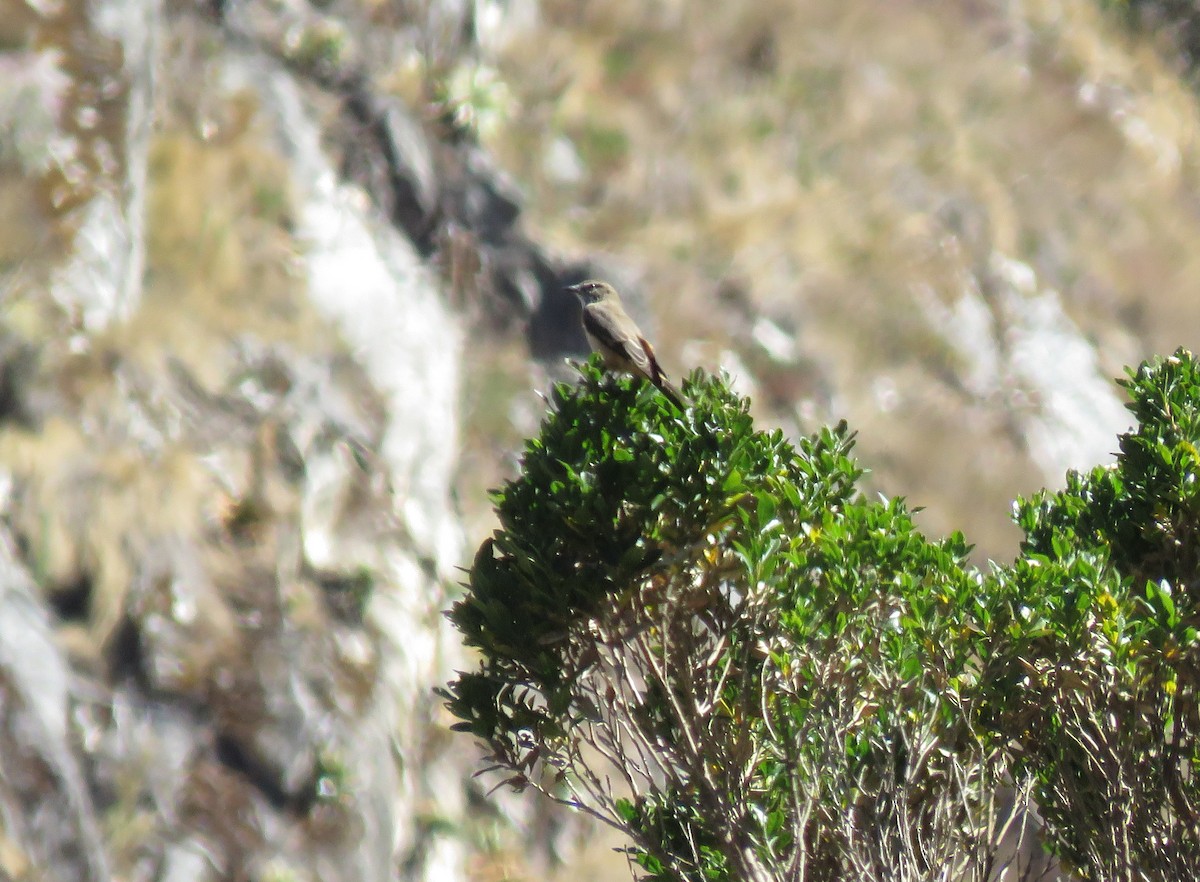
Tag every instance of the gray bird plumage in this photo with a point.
(611, 332)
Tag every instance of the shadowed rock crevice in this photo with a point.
(72, 601)
(18, 364)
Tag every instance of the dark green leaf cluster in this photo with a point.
(619, 486)
(1093, 665)
(677, 828)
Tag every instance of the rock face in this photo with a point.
(227, 527)
(47, 806)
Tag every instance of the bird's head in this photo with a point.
(593, 291)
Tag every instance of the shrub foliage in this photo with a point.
(704, 635)
(1094, 648)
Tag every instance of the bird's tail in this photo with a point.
(667, 388)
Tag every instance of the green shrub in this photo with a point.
(706, 637)
(1093, 660)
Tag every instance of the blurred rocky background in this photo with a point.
(280, 285)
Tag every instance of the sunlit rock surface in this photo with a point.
(227, 492)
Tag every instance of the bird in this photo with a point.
(611, 332)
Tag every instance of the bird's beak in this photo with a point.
(573, 289)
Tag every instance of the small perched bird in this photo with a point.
(616, 336)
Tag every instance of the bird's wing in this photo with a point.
(621, 339)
